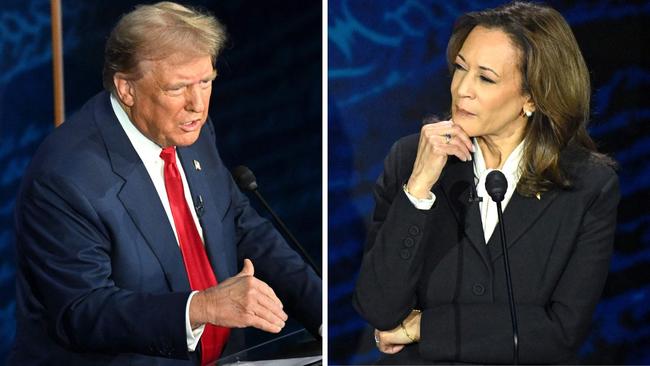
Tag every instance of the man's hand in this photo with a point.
(239, 302)
(393, 341)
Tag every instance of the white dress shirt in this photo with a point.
(149, 153)
(488, 208)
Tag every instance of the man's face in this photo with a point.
(169, 103)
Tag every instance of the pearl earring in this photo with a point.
(528, 113)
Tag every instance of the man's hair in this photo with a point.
(154, 32)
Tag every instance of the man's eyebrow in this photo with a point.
(212, 76)
(180, 84)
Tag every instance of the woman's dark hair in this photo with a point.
(554, 74)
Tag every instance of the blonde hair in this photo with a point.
(554, 74)
(154, 32)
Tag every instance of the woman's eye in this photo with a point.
(458, 67)
(487, 80)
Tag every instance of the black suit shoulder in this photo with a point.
(586, 168)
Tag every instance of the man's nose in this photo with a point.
(194, 99)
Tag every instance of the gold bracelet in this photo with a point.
(402, 323)
(407, 333)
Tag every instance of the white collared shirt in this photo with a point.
(489, 215)
(149, 153)
(488, 208)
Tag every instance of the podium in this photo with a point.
(295, 348)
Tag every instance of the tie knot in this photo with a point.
(168, 154)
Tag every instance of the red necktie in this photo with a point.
(196, 261)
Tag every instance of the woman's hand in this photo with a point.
(393, 341)
(437, 142)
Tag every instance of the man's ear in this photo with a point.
(124, 89)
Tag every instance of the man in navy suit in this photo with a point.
(105, 275)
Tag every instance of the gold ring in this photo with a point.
(447, 138)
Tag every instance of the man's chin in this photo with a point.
(187, 139)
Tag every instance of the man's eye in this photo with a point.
(175, 90)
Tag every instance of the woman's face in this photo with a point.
(486, 86)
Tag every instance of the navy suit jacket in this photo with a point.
(100, 275)
(437, 260)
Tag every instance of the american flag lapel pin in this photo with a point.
(197, 165)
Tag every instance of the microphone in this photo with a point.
(496, 186)
(199, 206)
(473, 195)
(247, 182)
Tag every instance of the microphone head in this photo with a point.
(496, 185)
(245, 178)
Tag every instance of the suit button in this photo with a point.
(408, 242)
(478, 289)
(405, 254)
(414, 230)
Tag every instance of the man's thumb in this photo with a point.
(248, 269)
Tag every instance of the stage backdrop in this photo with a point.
(266, 103)
(387, 71)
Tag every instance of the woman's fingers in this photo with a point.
(437, 142)
(385, 345)
(446, 132)
(457, 148)
(458, 132)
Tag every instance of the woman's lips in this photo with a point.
(463, 113)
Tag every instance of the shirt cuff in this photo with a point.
(420, 203)
(193, 336)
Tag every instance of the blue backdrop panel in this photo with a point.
(266, 103)
(387, 71)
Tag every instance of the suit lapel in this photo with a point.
(138, 193)
(456, 183)
(520, 214)
(212, 211)
(139, 197)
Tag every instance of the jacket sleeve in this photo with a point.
(392, 260)
(64, 253)
(547, 334)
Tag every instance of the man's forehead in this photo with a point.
(180, 67)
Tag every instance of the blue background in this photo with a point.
(387, 71)
(266, 103)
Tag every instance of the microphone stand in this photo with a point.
(286, 231)
(496, 185)
(511, 297)
(246, 181)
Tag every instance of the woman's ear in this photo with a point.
(529, 106)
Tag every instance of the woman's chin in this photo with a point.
(471, 132)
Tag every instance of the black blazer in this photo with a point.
(437, 261)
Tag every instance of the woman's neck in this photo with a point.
(496, 149)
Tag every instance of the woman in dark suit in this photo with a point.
(432, 278)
